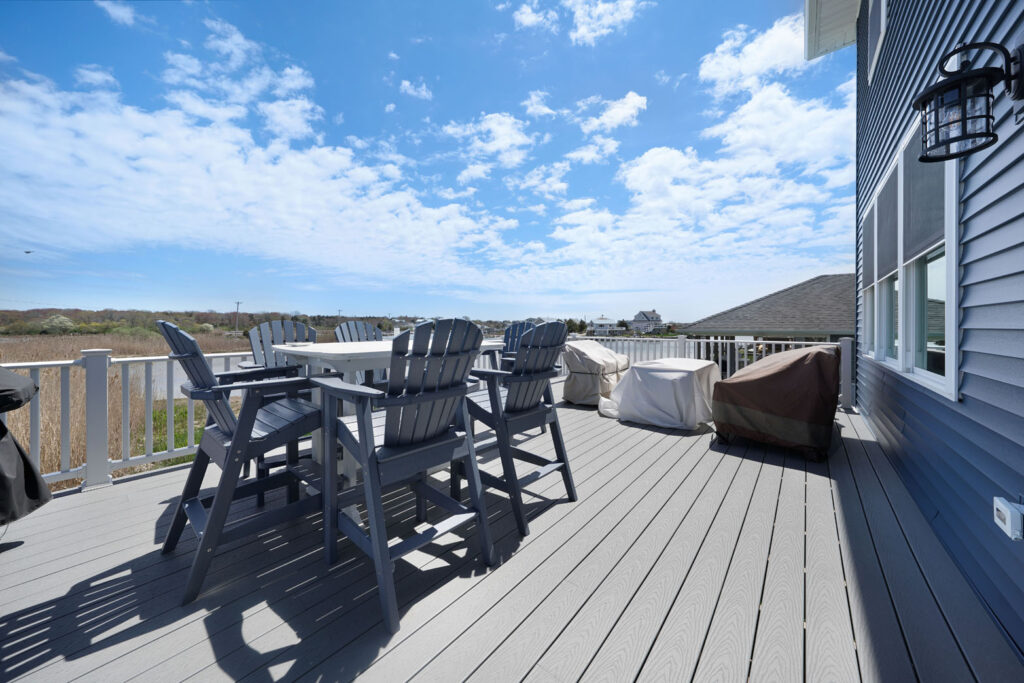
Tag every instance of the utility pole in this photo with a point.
(237, 304)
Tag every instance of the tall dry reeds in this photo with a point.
(52, 348)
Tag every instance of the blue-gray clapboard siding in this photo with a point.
(955, 456)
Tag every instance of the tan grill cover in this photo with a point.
(594, 370)
(788, 399)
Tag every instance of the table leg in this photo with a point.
(347, 465)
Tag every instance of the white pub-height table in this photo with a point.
(348, 358)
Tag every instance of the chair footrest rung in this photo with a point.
(196, 514)
(407, 545)
(538, 473)
(532, 458)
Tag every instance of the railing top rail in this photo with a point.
(153, 359)
(40, 364)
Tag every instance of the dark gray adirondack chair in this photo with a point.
(272, 415)
(360, 331)
(513, 333)
(515, 401)
(263, 337)
(421, 427)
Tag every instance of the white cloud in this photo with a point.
(593, 19)
(535, 104)
(229, 42)
(356, 142)
(290, 119)
(576, 204)
(393, 55)
(599, 149)
(119, 12)
(500, 136)
(545, 180)
(616, 113)
(662, 77)
(95, 76)
(451, 193)
(420, 91)
(4, 57)
(474, 172)
(194, 105)
(338, 119)
(745, 58)
(527, 16)
(293, 78)
(389, 107)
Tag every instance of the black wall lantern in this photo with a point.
(956, 112)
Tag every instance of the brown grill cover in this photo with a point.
(788, 399)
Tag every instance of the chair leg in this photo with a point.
(515, 493)
(562, 457)
(214, 525)
(421, 502)
(476, 496)
(292, 459)
(261, 473)
(192, 485)
(456, 480)
(383, 566)
(330, 478)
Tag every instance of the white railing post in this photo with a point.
(846, 372)
(97, 467)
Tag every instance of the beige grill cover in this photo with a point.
(788, 399)
(594, 370)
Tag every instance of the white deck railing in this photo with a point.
(99, 463)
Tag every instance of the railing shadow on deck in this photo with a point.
(133, 604)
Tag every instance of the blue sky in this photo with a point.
(491, 159)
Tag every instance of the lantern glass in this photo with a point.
(956, 115)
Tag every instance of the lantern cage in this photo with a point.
(956, 113)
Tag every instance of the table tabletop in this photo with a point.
(366, 355)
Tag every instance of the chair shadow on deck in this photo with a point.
(278, 584)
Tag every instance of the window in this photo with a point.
(930, 312)
(908, 269)
(869, 319)
(891, 311)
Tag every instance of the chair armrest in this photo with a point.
(488, 373)
(334, 385)
(248, 364)
(255, 374)
(273, 385)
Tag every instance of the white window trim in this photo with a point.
(948, 385)
(882, 24)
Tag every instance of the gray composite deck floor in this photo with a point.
(683, 559)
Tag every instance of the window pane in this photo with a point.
(887, 217)
(930, 312)
(891, 293)
(924, 205)
(869, 318)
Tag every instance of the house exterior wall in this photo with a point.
(955, 455)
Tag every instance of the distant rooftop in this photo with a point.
(823, 305)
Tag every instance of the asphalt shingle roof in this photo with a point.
(819, 306)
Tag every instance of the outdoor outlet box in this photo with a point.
(1008, 517)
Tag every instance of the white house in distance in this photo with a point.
(602, 327)
(646, 321)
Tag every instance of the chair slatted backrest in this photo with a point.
(514, 332)
(426, 360)
(538, 352)
(186, 351)
(263, 337)
(357, 331)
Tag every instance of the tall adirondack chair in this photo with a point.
(272, 415)
(360, 331)
(263, 337)
(517, 400)
(422, 427)
(513, 333)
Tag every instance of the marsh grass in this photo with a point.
(40, 348)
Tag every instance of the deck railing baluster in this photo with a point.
(65, 418)
(149, 407)
(126, 411)
(35, 422)
(170, 405)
